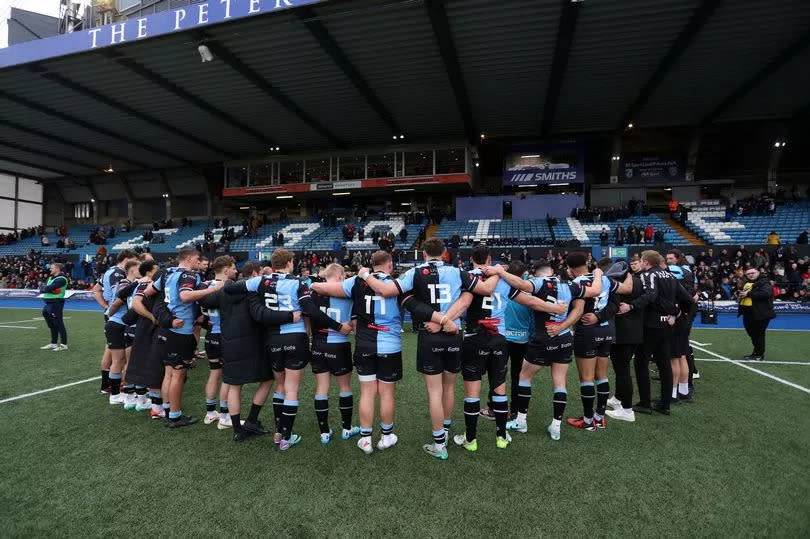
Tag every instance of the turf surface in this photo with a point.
(734, 463)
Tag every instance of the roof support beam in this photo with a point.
(51, 155)
(29, 164)
(447, 48)
(331, 47)
(87, 125)
(696, 23)
(559, 64)
(757, 78)
(92, 94)
(187, 96)
(8, 172)
(164, 183)
(252, 76)
(75, 144)
(127, 188)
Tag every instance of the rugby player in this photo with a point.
(114, 333)
(287, 345)
(681, 367)
(103, 294)
(438, 355)
(593, 337)
(180, 288)
(332, 354)
(378, 348)
(551, 298)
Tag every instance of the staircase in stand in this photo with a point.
(682, 230)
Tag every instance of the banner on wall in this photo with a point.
(647, 168)
(536, 164)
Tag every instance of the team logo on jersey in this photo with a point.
(425, 271)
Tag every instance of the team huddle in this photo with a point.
(268, 326)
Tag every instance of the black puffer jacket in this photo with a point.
(145, 365)
(242, 341)
(761, 295)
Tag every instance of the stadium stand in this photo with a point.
(710, 220)
(536, 233)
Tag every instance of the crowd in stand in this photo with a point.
(635, 208)
(721, 274)
(31, 271)
(14, 237)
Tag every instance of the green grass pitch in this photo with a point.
(734, 463)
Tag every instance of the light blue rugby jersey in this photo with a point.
(281, 292)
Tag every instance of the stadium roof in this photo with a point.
(352, 73)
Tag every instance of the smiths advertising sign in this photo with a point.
(651, 169)
(538, 164)
(135, 29)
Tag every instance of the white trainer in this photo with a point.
(554, 431)
(622, 414)
(614, 403)
(224, 422)
(210, 417)
(364, 443)
(387, 441)
(130, 400)
(49, 346)
(117, 399)
(60, 347)
(143, 403)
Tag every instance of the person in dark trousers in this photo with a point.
(756, 308)
(665, 296)
(242, 341)
(629, 335)
(54, 295)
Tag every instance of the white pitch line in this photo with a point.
(763, 373)
(755, 361)
(39, 319)
(18, 327)
(24, 395)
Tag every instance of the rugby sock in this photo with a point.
(105, 378)
(322, 412)
(129, 389)
(385, 428)
(175, 416)
(210, 405)
(253, 416)
(472, 408)
(587, 393)
(365, 433)
(278, 404)
(683, 388)
(140, 390)
(558, 401)
(236, 423)
(524, 396)
(500, 406)
(674, 391)
(346, 404)
(602, 394)
(447, 424)
(166, 406)
(439, 438)
(288, 414)
(223, 407)
(115, 383)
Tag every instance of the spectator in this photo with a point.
(603, 237)
(44, 241)
(618, 235)
(802, 239)
(773, 238)
(649, 233)
(403, 235)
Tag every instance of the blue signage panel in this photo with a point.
(652, 169)
(135, 29)
(537, 164)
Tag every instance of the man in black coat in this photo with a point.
(243, 360)
(629, 342)
(756, 308)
